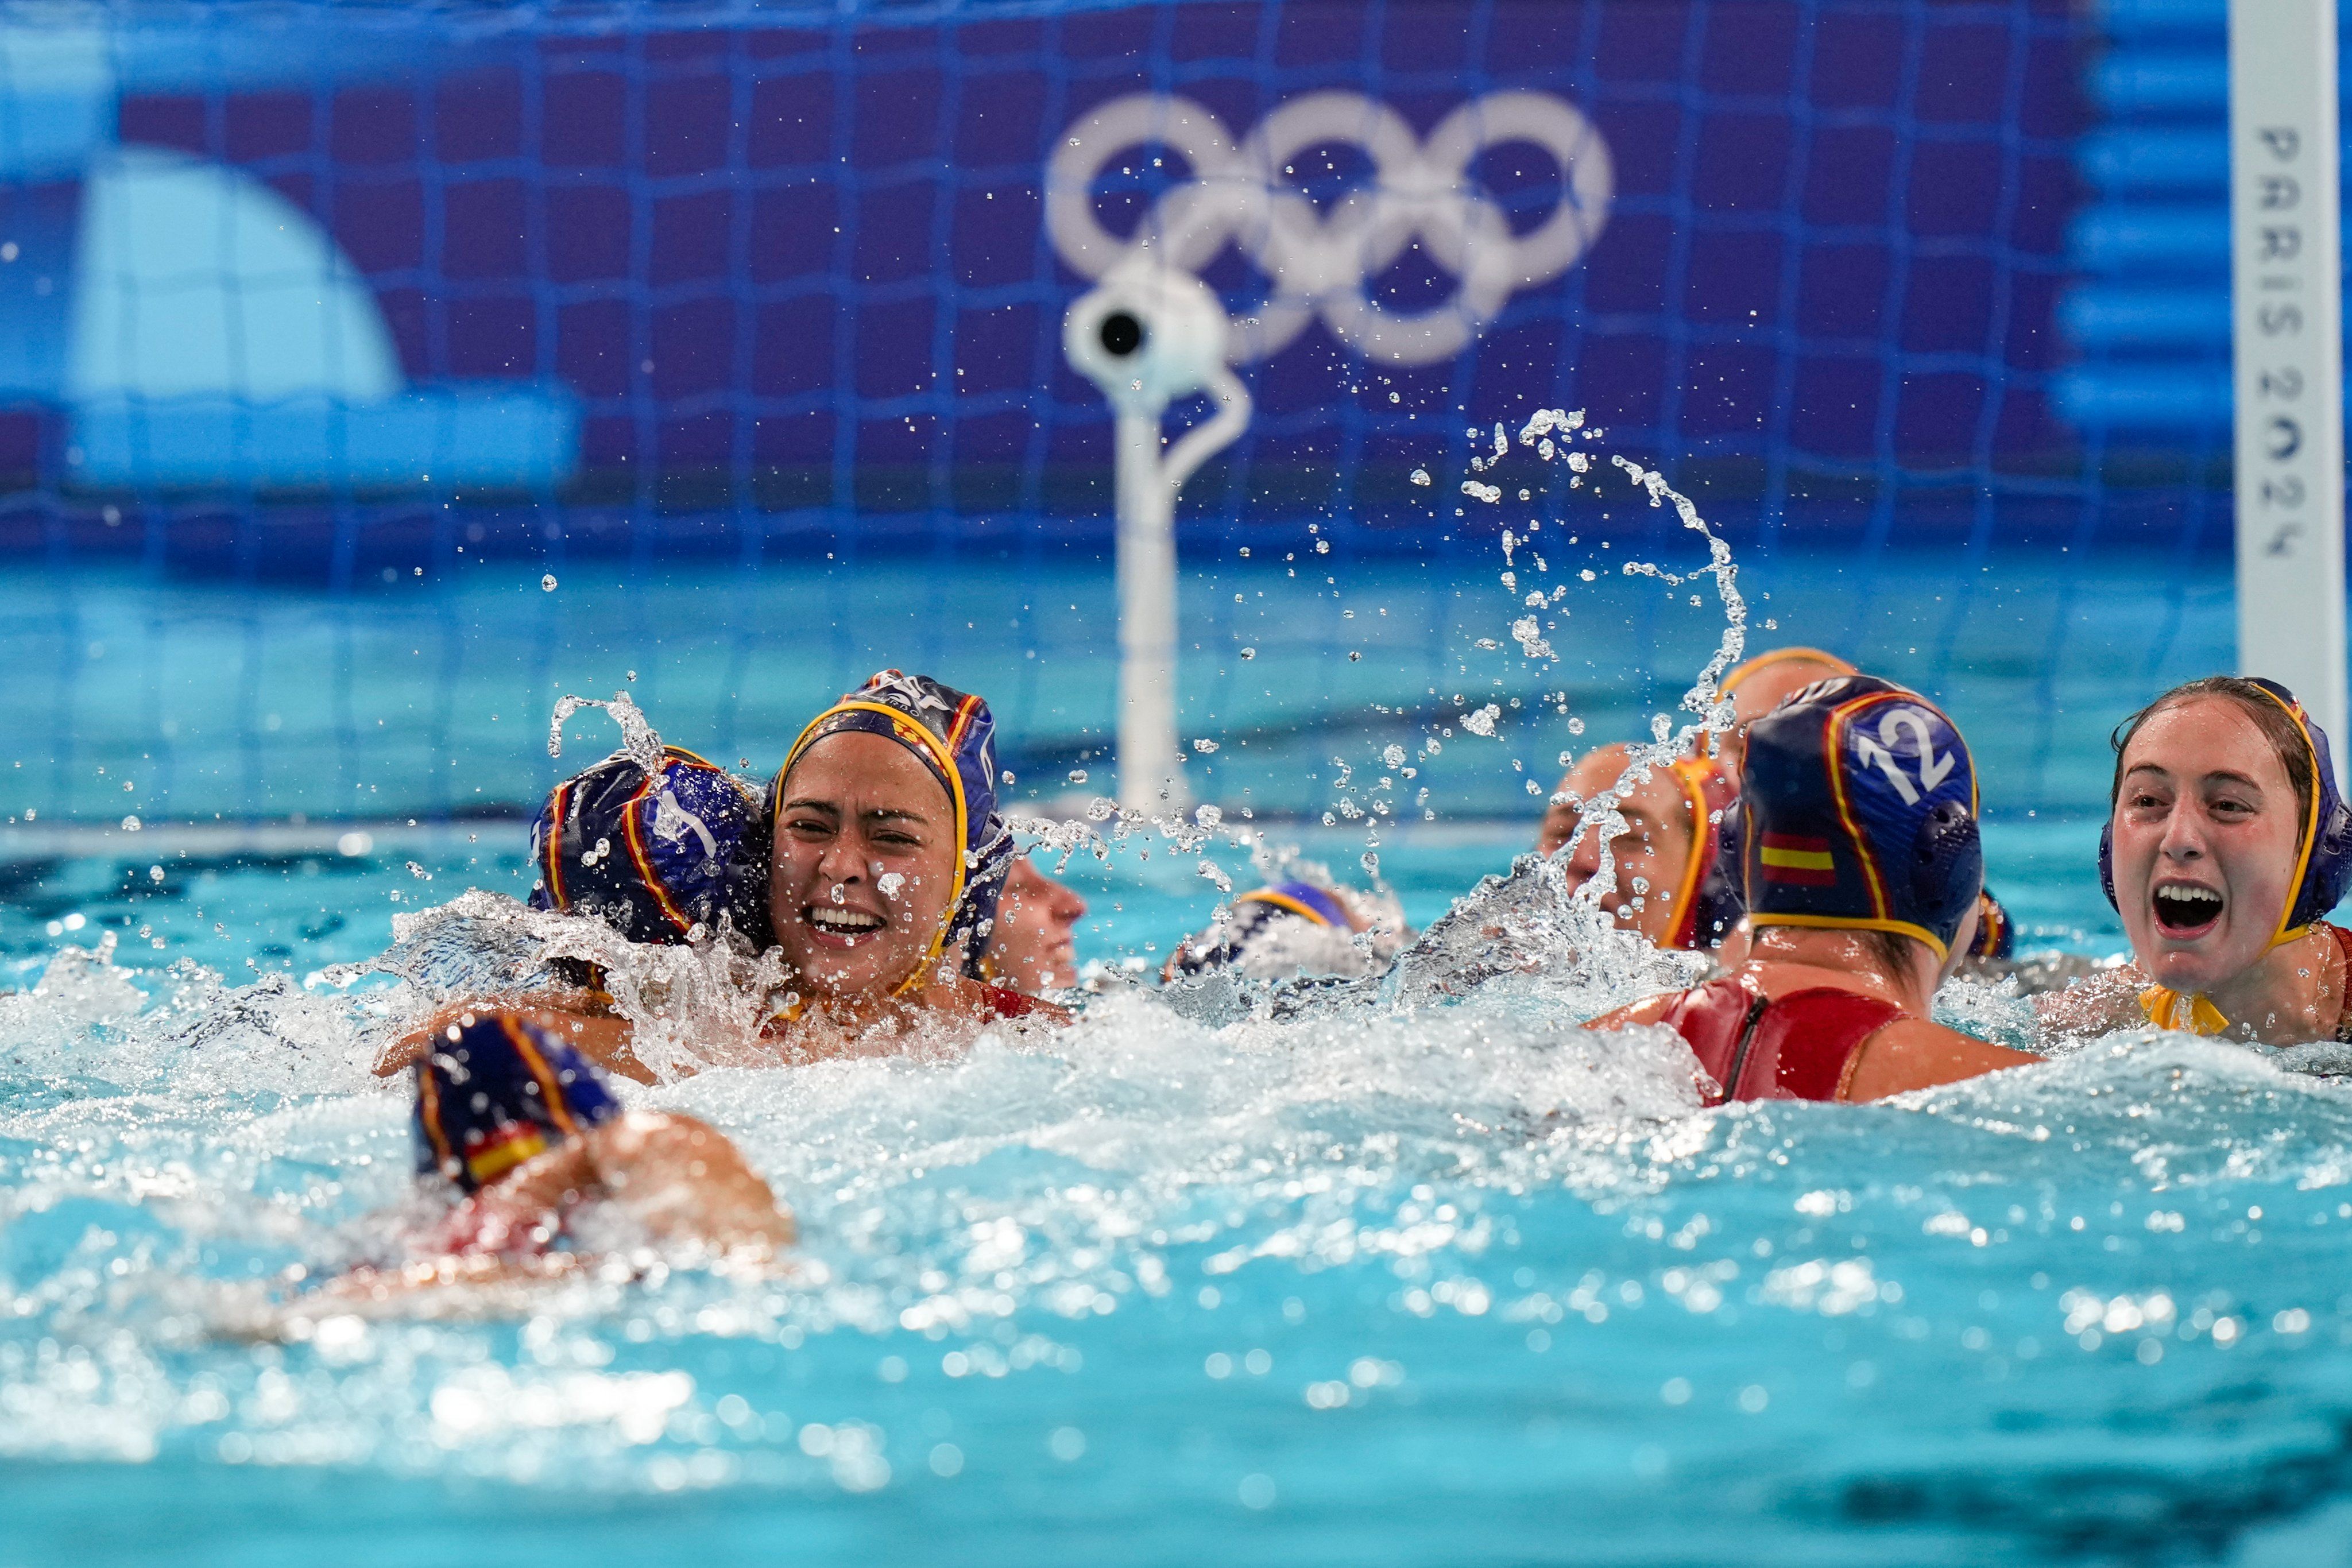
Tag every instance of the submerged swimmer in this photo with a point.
(1297, 928)
(2226, 844)
(530, 1141)
(1032, 947)
(1862, 872)
(1667, 885)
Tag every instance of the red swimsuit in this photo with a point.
(1797, 1046)
(1005, 1002)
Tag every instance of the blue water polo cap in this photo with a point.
(953, 735)
(1720, 901)
(1859, 801)
(2324, 854)
(1300, 898)
(1251, 915)
(653, 857)
(499, 1093)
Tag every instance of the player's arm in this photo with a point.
(2099, 1005)
(1912, 1053)
(600, 1036)
(679, 1177)
(1649, 1010)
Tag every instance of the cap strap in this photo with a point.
(2294, 710)
(1935, 943)
(2195, 1013)
(933, 751)
(1694, 773)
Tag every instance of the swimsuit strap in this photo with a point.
(2343, 1002)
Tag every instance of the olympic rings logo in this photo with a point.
(1319, 264)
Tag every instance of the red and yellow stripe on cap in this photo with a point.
(503, 1150)
(550, 853)
(1798, 861)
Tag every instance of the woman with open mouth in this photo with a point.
(871, 869)
(888, 860)
(2226, 844)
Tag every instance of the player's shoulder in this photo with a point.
(1649, 1009)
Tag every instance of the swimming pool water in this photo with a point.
(1420, 1273)
(1387, 1281)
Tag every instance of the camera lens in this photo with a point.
(1121, 334)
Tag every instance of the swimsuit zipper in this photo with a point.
(1746, 1043)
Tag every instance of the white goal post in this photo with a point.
(2287, 330)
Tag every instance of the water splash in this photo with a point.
(639, 743)
(1525, 908)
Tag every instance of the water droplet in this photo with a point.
(547, 583)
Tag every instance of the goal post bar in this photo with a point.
(2287, 331)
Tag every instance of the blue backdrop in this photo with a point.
(691, 273)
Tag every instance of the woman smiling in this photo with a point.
(880, 854)
(2226, 842)
(889, 859)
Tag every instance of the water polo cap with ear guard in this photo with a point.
(653, 857)
(952, 733)
(497, 1093)
(1246, 925)
(1859, 800)
(2323, 858)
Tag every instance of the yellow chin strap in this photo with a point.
(908, 731)
(2169, 1008)
(2194, 1011)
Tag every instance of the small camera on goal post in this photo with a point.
(1149, 335)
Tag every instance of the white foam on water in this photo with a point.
(1441, 1135)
